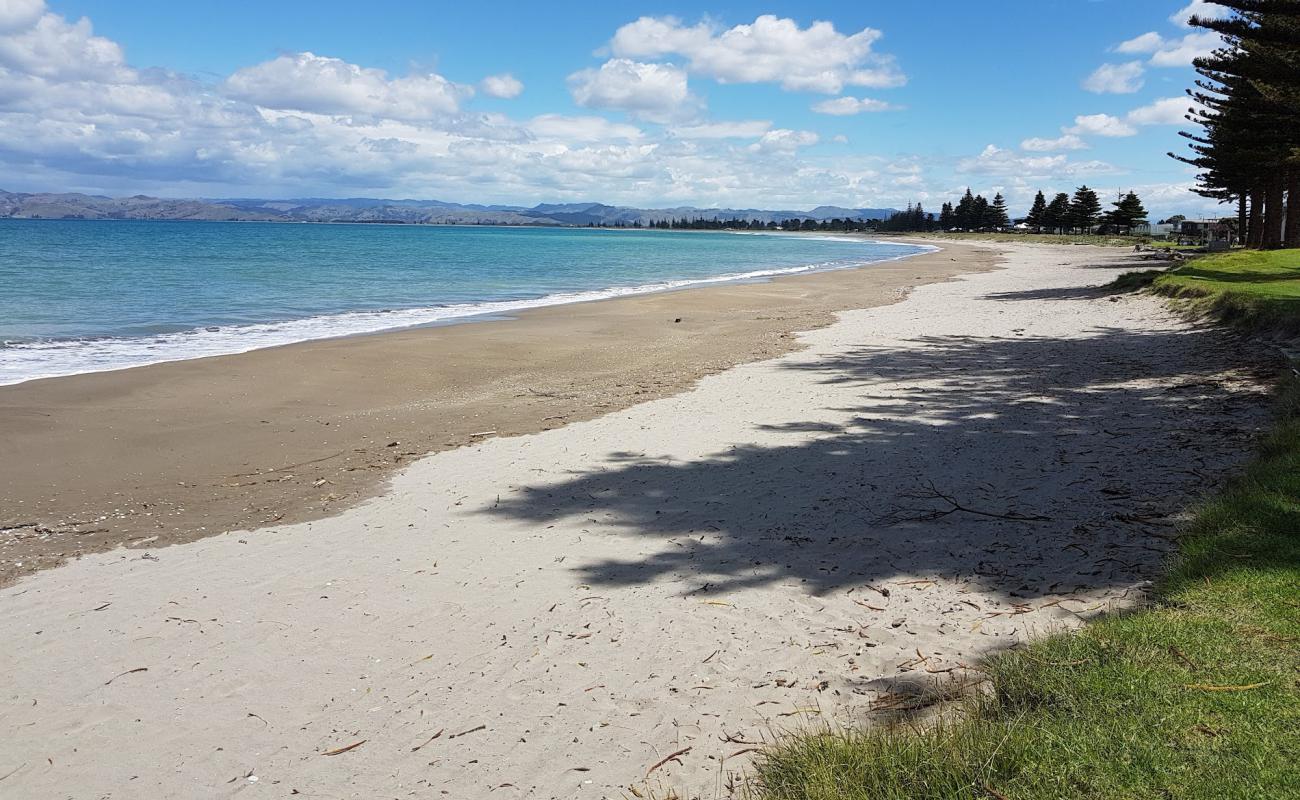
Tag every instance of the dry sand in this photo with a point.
(174, 452)
(550, 615)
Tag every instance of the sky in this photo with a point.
(715, 104)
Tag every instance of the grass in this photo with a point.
(1256, 289)
(1195, 696)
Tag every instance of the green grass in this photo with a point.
(1256, 289)
(1125, 707)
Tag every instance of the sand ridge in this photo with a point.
(552, 615)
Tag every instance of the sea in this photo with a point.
(81, 296)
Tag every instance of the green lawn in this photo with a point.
(1196, 696)
(1258, 289)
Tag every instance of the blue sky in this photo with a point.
(726, 104)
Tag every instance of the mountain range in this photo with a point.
(19, 205)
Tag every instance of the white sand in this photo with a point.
(576, 605)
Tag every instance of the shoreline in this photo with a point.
(478, 311)
(648, 596)
(181, 450)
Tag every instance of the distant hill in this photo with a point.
(430, 212)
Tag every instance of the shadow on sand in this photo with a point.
(1105, 437)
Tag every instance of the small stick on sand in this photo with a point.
(429, 740)
(128, 672)
(344, 749)
(666, 759)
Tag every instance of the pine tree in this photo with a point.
(1127, 213)
(1057, 214)
(1247, 149)
(964, 217)
(979, 212)
(1085, 210)
(998, 212)
(946, 217)
(1036, 212)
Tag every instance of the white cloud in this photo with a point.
(653, 92)
(582, 129)
(741, 129)
(847, 106)
(505, 86)
(1146, 43)
(19, 15)
(323, 85)
(1180, 52)
(994, 160)
(1199, 8)
(1116, 78)
(52, 48)
(771, 49)
(1172, 52)
(1068, 141)
(1168, 111)
(75, 114)
(784, 140)
(1100, 125)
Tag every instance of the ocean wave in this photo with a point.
(31, 360)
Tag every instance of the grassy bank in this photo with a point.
(1195, 696)
(1256, 289)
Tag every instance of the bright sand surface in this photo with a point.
(174, 452)
(551, 615)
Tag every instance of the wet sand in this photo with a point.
(175, 452)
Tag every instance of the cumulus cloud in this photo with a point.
(653, 92)
(323, 85)
(1178, 51)
(1116, 78)
(738, 129)
(994, 160)
(1146, 43)
(1167, 111)
(19, 15)
(47, 46)
(74, 112)
(505, 86)
(1100, 125)
(769, 50)
(1198, 8)
(1068, 141)
(582, 129)
(848, 106)
(783, 140)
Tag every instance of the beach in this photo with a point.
(177, 451)
(594, 550)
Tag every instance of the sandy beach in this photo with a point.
(728, 531)
(300, 432)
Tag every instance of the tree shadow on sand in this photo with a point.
(1027, 466)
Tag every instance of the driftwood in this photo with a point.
(929, 492)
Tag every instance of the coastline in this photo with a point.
(177, 451)
(81, 355)
(648, 596)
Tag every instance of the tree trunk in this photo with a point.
(1292, 234)
(1274, 211)
(1241, 219)
(1255, 231)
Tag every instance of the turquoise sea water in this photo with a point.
(85, 296)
